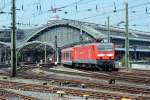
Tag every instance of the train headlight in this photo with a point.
(109, 54)
(101, 55)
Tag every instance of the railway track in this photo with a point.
(120, 76)
(135, 77)
(68, 91)
(88, 84)
(78, 81)
(4, 95)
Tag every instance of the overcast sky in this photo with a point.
(38, 12)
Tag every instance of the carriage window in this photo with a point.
(67, 55)
(64, 55)
(70, 55)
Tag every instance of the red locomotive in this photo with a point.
(92, 55)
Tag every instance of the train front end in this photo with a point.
(106, 55)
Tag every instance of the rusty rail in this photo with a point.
(69, 91)
(4, 94)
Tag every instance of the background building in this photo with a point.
(31, 43)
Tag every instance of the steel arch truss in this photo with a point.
(67, 33)
(35, 45)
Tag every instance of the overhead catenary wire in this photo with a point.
(134, 16)
(35, 15)
(26, 13)
(133, 6)
(118, 10)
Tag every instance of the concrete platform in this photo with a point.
(62, 68)
(48, 96)
(141, 66)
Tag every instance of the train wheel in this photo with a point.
(89, 66)
(76, 65)
(105, 68)
(98, 67)
(113, 66)
(110, 68)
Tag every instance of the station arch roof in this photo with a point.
(89, 30)
(5, 44)
(94, 31)
(34, 45)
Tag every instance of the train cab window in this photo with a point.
(105, 47)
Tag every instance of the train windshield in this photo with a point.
(105, 47)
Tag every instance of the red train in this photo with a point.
(93, 55)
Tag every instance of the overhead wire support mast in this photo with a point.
(127, 38)
(13, 39)
(108, 38)
(56, 50)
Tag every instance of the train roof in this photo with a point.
(70, 48)
(67, 49)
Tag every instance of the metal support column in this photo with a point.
(127, 38)
(135, 55)
(56, 51)
(22, 57)
(81, 37)
(0, 55)
(45, 54)
(13, 39)
(5, 55)
(108, 38)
